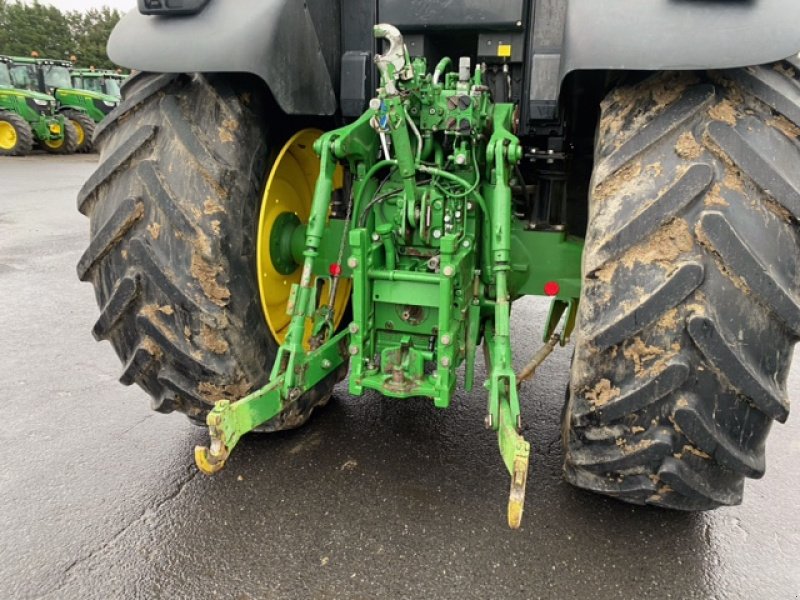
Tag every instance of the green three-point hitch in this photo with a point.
(434, 258)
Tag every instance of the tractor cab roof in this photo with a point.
(11, 89)
(62, 89)
(33, 60)
(92, 72)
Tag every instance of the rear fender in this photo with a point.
(679, 34)
(273, 39)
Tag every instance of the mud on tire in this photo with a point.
(173, 208)
(691, 300)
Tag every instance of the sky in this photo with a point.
(122, 5)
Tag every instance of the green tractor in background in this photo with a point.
(27, 117)
(102, 81)
(83, 108)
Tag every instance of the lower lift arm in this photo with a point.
(296, 371)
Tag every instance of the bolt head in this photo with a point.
(465, 243)
(487, 421)
(352, 262)
(353, 328)
(437, 233)
(445, 361)
(353, 350)
(446, 340)
(469, 205)
(326, 364)
(376, 237)
(448, 271)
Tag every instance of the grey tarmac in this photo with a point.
(375, 498)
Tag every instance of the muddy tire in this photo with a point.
(173, 208)
(67, 145)
(691, 300)
(84, 126)
(16, 137)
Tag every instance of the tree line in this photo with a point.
(34, 27)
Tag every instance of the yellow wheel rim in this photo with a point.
(55, 144)
(8, 135)
(79, 130)
(287, 199)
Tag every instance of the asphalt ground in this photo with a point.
(375, 498)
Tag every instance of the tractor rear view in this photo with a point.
(361, 189)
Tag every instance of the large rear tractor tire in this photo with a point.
(691, 300)
(84, 128)
(16, 137)
(174, 208)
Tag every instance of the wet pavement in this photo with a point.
(375, 498)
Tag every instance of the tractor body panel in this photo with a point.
(39, 115)
(274, 39)
(94, 104)
(550, 39)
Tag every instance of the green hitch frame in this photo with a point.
(431, 258)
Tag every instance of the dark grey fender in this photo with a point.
(679, 34)
(653, 35)
(274, 39)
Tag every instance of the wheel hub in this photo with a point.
(280, 243)
(285, 208)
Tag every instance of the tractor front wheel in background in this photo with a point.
(16, 137)
(66, 144)
(174, 211)
(84, 129)
(691, 300)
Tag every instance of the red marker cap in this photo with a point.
(551, 288)
(335, 269)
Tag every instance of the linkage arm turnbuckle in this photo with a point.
(503, 415)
